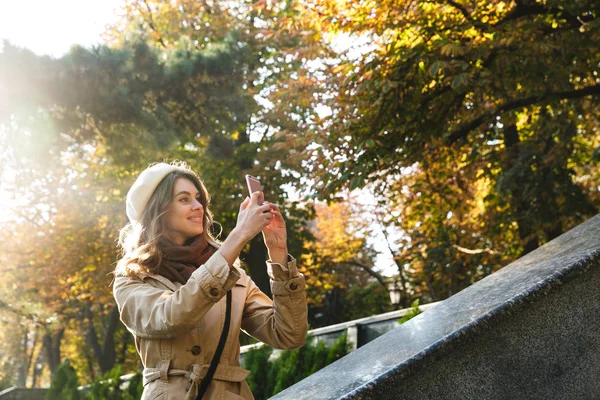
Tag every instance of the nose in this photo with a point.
(196, 205)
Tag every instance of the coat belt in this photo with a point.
(195, 374)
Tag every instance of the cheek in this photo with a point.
(174, 216)
(183, 211)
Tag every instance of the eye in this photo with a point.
(183, 199)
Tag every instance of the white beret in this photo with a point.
(143, 187)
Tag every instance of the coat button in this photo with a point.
(195, 350)
(214, 292)
(294, 286)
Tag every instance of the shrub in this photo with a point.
(257, 361)
(5, 383)
(64, 384)
(270, 377)
(108, 387)
(413, 312)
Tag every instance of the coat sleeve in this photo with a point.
(283, 322)
(153, 313)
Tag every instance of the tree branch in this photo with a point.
(151, 24)
(465, 13)
(462, 131)
(462, 10)
(474, 251)
(33, 318)
(521, 10)
(442, 90)
(525, 10)
(369, 271)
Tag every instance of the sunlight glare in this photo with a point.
(58, 24)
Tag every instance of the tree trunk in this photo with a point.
(30, 358)
(403, 303)
(403, 294)
(105, 354)
(521, 204)
(90, 362)
(124, 343)
(22, 370)
(37, 371)
(256, 257)
(432, 292)
(52, 347)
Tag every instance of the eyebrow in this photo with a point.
(185, 192)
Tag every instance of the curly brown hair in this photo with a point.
(140, 242)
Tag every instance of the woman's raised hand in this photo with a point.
(253, 217)
(275, 233)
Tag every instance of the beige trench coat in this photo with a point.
(177, 327)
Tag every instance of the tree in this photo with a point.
(230, 153)
(79, 129)
(61, 252)
(339, 266)
(503, 94)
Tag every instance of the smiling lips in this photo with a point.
(197, 219)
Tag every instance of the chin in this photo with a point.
(196, 233)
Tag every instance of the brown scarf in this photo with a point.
(179, 262)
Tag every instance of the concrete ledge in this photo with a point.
(392, 315)
(331, 332)
(16, 393)
(528, 331)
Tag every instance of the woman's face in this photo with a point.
(184, 218)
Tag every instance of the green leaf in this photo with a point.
(460, 80)
(435, 68)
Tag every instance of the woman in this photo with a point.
(171, 282)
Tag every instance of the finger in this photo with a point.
(245, 203)
(257, 198)
(265, 208)
(274, 207)
(277, 213)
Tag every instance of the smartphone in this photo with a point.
(253, 184)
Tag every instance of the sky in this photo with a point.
(51, 27)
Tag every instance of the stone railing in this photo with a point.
(528, 331)
(15, 393)
(360, 331)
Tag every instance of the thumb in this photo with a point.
(258, 198)
(245, 203)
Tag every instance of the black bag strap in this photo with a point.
(215, 360)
